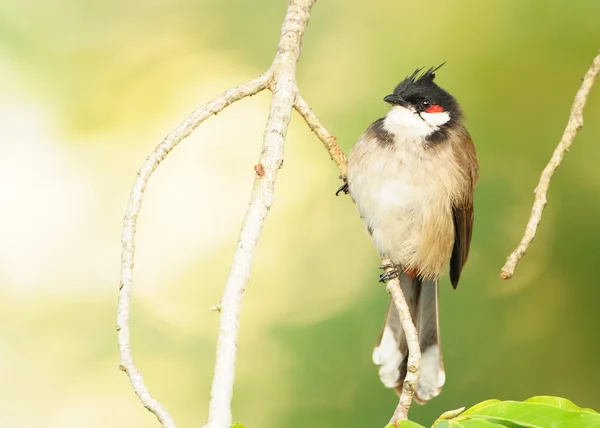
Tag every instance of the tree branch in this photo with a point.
(284, 94)
(129, 228)
(574, 124)
(414, 351)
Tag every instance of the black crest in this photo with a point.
(418, 79)
(420, 85)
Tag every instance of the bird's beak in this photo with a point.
(395, 100)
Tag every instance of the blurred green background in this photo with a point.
(87, 90)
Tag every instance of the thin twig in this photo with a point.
(129, 227)
(285, 92)
(329, 141)
(414, 351)
(574, 124)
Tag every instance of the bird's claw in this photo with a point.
(343, 188)
(386, 276)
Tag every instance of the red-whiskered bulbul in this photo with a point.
(412, 176)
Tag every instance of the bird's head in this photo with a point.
(420, 108)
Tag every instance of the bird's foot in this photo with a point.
(391, 274)
(412, 273)
(343, 188)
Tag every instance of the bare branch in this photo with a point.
(329, 141)
(129, 227)
(414, 351)
(574, 124)
(285, 92)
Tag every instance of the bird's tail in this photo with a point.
(391, 353)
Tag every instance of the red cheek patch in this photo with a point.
(436, 108)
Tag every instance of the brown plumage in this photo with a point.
(412, 175)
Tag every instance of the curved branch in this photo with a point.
(129, 227)
(574, 124)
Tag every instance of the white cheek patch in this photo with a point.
(407, 122)
(436, 119)
(403, 121)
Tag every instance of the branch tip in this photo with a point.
(574, 124)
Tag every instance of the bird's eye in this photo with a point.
(425, 104)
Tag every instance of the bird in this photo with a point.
(412, 176)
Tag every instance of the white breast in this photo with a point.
(403, 194)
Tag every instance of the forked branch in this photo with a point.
(281, 79)
(574, 124)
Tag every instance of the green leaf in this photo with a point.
(537, 412)
(561, 403)
(237, 426)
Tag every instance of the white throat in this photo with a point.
(402, 121)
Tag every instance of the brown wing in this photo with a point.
(463, 228)
(462, 210)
